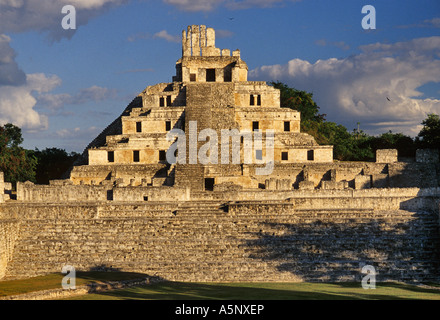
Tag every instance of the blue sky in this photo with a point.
(63, 87)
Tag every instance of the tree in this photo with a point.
(17, 163)
(405, 145)
(429, 136)
(301, 101)
(52, 163)
(346, 146)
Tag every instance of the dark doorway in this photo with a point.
(111, 156)
(210, 75)
(136, 156)
(162, 155)
(227, 75)
(209, 184)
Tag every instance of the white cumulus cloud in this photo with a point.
(378, 87)
(17, 102)
(20, 92)
(166, 36)
(55, 102)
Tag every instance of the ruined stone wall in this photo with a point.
(2, 186)
(386, 155)
(8, 234)
(427, 155)
(123, 173)
(60, 193)
(273, 240)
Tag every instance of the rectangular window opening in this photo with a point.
(227, 75)
(259, 100)
(286, 126)
(311, 155)
(284, 156)
(255, 125)
(111, 156)
(169, 102)
(252, 100)
(209, 184)
(210, 75)
(192, 77)
(162, 102)
(136, 156)
(162, 155)
(139, 126)
(167, 125)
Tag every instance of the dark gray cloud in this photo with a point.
(24, 15)
(10, 72)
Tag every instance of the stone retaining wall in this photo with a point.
(314, 237)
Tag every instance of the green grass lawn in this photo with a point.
(53, 281)
(267, 291)
(224, 291)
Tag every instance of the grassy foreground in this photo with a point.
(53, 281)
(267, 291)
(223, 291)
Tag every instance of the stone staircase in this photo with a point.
(204, 241)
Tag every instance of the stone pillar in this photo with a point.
(210, 37)
(195, 39)
(186, 43)
(202, 36)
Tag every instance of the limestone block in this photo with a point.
(362, 182)
(211, 52)
(186, 44)
(283, 184)
(379, 180)
(210, 37)
(2, 186)
(158, 182)
(271, 184)
(306, 185)
(195, 41)
(202, 36)
(334, 185)
(226, 53)
(386, 155)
